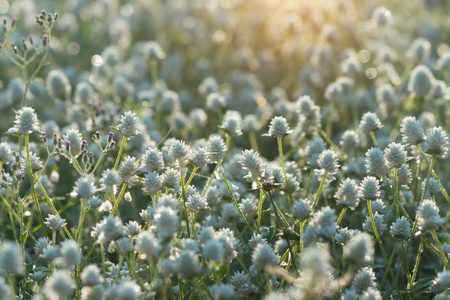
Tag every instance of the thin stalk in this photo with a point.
(390, 263)
(408, 275)
(329, 141)
(208, 183)
(341, 215)
(416, 265)
(116, 165)
(189, 180)
(444, 192)
(374, 139)
(17, 217)
(375, 231)
(50, 203)
(322, 183)
(441, 253)
(261, 201)
(280, 151)
(102, 155)
(296, 146)
(116, 203)
(102, 252)
(397, 213)
(36, 201)
(80, 222)
(186, 216)
(234, 200)
(253, 141)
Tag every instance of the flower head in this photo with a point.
(129, 124)
(436, 142)
(26, 122)
(279, 127)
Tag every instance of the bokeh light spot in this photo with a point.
(96, 60)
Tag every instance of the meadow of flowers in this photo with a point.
(224, 149)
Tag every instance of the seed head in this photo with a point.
(370, 122)
(429, 215)
(264, 255)
(85, 187)
(379, 224)
(360, 249)
(421, 81)
(348, 193)
(370, 188)
(301, 210)
(216, 149)
(395, 155)
(152, 160)
(401, 229)
(252, 163)
(55, 222)
(10, 258)
(279, 127)
(26, 122)
(58, 85)
(436, 142)
(324, 222)
(129, 124)
(412, 132)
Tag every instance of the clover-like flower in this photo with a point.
(129, 124)
(279, 127)
(26, 122)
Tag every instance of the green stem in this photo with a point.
(102, 252)
(261, 201)
(116, 203)
(329, 141)
(441, 253)
(208, 183)
(444, 192)
(375, 231)
(50, 202)
(36, 201)
(322, 183)
(234, 200)
(17, 217)
(296, 146)
(341, 215)
(116, 165)
(186, 216)
(280, 151)
(80, 222)
(253, 141)
(408, 275)
(374, 139)
(397, 213)
(189, 181)
(416, 265)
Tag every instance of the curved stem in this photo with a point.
(30, 171)
(234, 200)
(438, 245)
(375, 231)
(120, 153)
(50, 203)
(186, 216)
(280, 151)
(322, 183)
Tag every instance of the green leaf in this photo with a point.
(422, 284)
(114, 128)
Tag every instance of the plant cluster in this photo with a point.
(225, 150)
